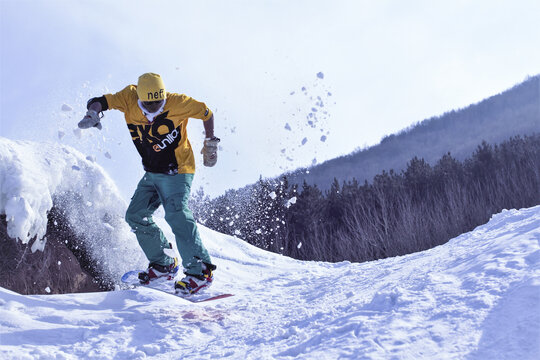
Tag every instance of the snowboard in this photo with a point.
(166, 285)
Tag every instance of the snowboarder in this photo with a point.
(157, 121)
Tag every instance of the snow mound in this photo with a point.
(35, 176)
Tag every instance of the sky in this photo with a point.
(291, 83)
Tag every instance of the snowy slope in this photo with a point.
(476, 297)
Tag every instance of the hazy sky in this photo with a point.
(368, 68)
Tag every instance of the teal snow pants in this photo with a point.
(171, 191)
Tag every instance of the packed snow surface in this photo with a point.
(476, 297)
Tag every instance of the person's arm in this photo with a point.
(92, 118)
(95, 106)
(210, 148)
(209, 127)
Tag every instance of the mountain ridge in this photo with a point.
(515, 111)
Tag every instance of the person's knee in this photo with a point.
(179, 216)
(177, 212)
(135, 220)
(177, 203)
(130, 220)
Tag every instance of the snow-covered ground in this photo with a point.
(476, 297)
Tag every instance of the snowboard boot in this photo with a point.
(191, 284)
(156, 271)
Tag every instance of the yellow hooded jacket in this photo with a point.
(162, 143)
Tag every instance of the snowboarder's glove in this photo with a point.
(209, 151)
(91, 119)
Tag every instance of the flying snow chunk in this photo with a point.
(272, 195)
(48, 290)
(61, 134)
(39, 244)
(323, 138)
(304, 141)
(107, 155)
(320, 75)
(287, 127)
(290, 202)
(66, 107)
(299, 245)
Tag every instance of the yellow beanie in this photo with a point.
(151, 87)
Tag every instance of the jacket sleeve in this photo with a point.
(191, 108)
(120, 100)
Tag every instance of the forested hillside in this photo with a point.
(513, 112)
(415, 190)
(395, 214)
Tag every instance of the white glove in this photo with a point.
(91, 119)
(209, 151)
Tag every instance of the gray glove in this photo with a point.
(209, 151)
(91, 119)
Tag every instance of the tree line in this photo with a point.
(418, 208)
